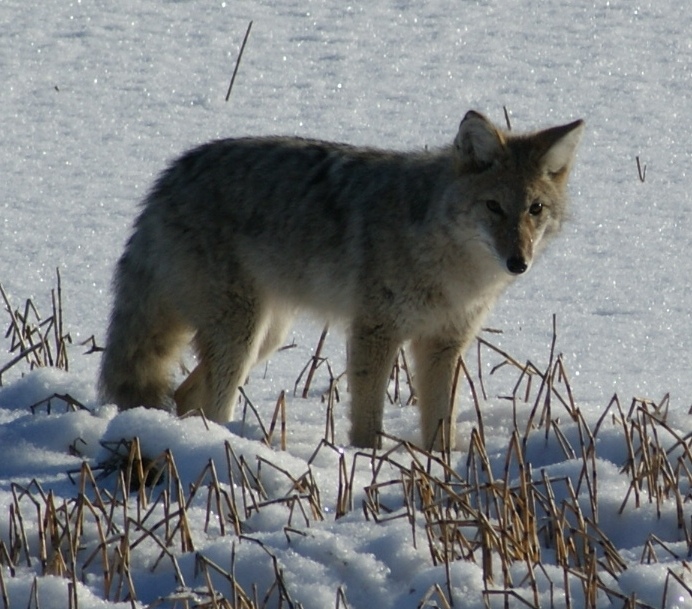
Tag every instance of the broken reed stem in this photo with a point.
(237, 63)
(312, 364)
(641, 170)
(15, 326)
(329, 419)
(279, 410)
(316, 360)
(247, 403)
(61, 361)
(509, 124)
(474, 395)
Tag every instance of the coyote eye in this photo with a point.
(536, 208)
(494, 206)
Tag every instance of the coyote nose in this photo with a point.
(516, 265)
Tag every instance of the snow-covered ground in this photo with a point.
(98, 96)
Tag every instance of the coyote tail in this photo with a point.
(144, 337)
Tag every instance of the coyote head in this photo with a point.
(514, 186)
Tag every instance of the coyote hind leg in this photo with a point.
(226, 349)
(193, 393)
(275, 333)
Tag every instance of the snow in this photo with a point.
(98, 96)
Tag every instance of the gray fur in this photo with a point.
(238, 234)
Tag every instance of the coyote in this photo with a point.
(238, 234)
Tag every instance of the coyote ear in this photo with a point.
(479, 143)
(558, 146)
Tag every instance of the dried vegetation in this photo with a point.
(528, 531)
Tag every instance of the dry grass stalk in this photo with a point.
(39, 342)
(71, 404)
(3, 588)
(435, 598)
(247, 403)
(315, 361)
(401, 376)
(279, 410)
(332, 398)
(641, 170)
(237, 63)
(341, 599)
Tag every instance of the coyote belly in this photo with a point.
(239, 234)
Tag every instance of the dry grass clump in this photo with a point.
(513, 522)
(36, 340)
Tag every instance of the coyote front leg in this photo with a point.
(370, 358)
(436, 359)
